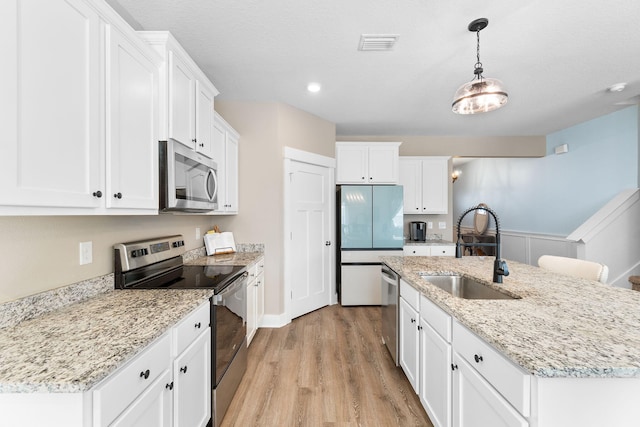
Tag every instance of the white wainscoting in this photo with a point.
(528, 247)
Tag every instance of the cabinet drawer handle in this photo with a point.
(144, 374)
(197, 325)
(194, 140)
(454, 367)
(477, 358)
(169, 386)
(184, 369)
(118, 195)
(97, 194)
(419, 327)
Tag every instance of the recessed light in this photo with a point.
(618, 87)
(313, 87)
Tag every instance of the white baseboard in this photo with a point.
(274, 321)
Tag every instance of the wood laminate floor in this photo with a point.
(326, 368)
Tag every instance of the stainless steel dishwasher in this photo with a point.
(390, 299)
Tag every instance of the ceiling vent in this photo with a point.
(378, 41)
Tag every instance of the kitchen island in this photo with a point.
(576, 341)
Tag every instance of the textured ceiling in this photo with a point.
(556, 58)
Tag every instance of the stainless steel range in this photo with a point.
(157, 263)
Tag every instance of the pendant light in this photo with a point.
(481, 94)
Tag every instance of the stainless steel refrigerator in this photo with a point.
(370, 226)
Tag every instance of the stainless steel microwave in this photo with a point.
(188, 181)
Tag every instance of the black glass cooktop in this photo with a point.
(215, 277)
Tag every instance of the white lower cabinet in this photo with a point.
(192, 383)
(409, 334)
(435, 375)
(462, 381)
(476, 403)
(152, 408)
(163, 385)
(255, 298)
(429, 250)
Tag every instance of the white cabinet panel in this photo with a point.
(476, 403)
(367, 162)
(181, 101)
(360, 285)
(192, 383)
(152, 408)
(225, 154)
(50, 154)
(435, 375)
(426, 184)
(204, 120)
(132, 123)
(416, 250)
(409, 343)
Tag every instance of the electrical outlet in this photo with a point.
(442, 225)
(430, 225)
(86, 253)
(197, 233)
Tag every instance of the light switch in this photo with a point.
(442, 225)
(197, 233)
(430, 225)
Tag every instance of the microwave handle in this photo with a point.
(215, 186)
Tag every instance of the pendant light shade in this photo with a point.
(481, 94)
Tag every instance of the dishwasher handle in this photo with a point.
(389, 274)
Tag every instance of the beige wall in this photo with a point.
(459, 146)
(41, 253)
(265, 129)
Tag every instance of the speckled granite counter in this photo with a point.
(238, 258)
(561, 326)
(71, 349)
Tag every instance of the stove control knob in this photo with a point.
(134, 254)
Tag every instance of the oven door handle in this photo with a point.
(237, 283)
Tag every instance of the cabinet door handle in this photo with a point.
(169, 386)
(327, 243)
(413, 320)
(194, 140)
(363, 178)
(477, 358)
(197, 325)
(454, 367)
(97, 194)
(184, 369)
(419, 327)
(144, 374)
(118, 195)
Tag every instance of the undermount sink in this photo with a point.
(465, 287)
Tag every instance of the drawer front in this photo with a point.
(415, 250)
(436, 317)
(443, 250)
(507, 378)
(192, 326)
(410, 294)
(126, 384)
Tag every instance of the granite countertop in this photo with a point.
(560, 327)
(237, 258)
(434, 242)
(73, 348)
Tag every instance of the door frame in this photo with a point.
(294, 155)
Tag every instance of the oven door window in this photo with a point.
(230, 328)
(194, 181)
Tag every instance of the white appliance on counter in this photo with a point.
(371, 226)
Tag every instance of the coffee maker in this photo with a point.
(418, 231)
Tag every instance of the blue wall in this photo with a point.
(556, 193)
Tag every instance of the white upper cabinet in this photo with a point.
(73, 127)
(367, 162)
(225, 154)
(50, 104)
(186, 95)
(426, 184)
(132, 125)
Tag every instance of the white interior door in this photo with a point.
(311, 238)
